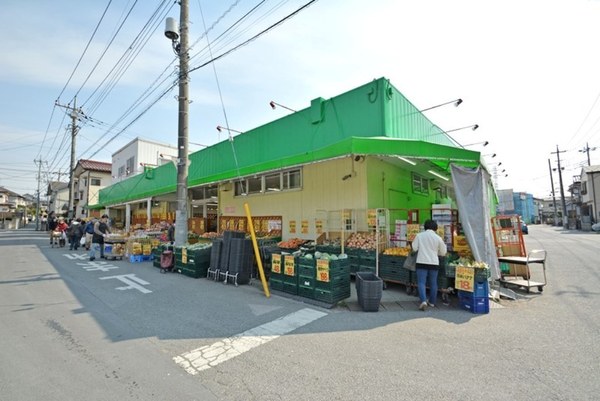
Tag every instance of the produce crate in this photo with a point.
(306, 292)
(335, 281)
(290, 288)
(394, 273)
(139, 258)
(368, 285)
(368, 269)
(304, 261)
(450, 270)
(194, 273)
(482, 275)
(480, 305)
(480, 290)
(391, 260)
(370, 304)
(306, 281)
(332, 296)
(367, 259)
(307, 271)
(443, 281)
(354, 261)
(275, 284)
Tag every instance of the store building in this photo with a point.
(315, 171)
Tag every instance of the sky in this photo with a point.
(528, 72)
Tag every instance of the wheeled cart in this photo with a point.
(114, 249)
(537, 256)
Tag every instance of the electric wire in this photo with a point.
(235, 159)
(85, 50)
(212, 60)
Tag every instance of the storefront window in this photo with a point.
(273, 182)
(420, 184)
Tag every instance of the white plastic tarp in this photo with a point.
(472, 199)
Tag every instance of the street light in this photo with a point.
(473, 128)
(485, 143)
(220, 128)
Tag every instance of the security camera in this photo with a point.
(171, 29)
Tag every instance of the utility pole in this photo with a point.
(37, 207)
(182, 49)
(74, 128)
(562, 191)
(594, 207)
(553, 194)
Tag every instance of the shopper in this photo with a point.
(171, 233)
(89, 232)
(75, 233)
(52, 223)
(101, 229)
(62, 228)
(430, 246)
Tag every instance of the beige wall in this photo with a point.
(323, 190)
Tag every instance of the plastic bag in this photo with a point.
(410, 262)
(82, 241)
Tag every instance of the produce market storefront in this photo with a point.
(368, 148)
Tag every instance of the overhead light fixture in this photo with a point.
(456, 103)
(473, 128)
(344, 178)
(220, 128)
(412, 163)
(273, 104)
(438, 175)
(485, 143)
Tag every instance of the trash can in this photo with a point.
(369, 289)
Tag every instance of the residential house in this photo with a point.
(90, 177)
(590, 195)
(58, 197)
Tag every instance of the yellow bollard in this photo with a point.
(256, 253)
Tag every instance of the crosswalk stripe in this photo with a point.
(209, 356)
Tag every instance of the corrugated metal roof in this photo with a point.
(374, 118)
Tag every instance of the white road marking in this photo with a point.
(102, 266)
(211, 355)
(73, 256)
(133, 282)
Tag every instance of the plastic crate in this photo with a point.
(366, 269)
(306, 292)
(307, 271)
(391, 260)
(303, 261)
(370, 304)
(479, 305)
(482, 274)
(290, 288)
(480, 290)
(194, 273)
(334, 282)
(275, 284)
(306, 281)
(368, 285)
(367, 259)
(394, 273)
(332, 296)
(139, 258)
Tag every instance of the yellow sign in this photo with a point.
(292, 226)
(289, 266)
(184, 255)
(319, 226)
(411, 231)
(323, 270)
(304, 227)
(465, 278)
(372, 217)
(276, 263)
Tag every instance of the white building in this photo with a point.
(590, 192)
(133, 157)
(90, 177)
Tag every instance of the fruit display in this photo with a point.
(209, 235)
(398, 251)
(467, 262)
(364, 241)
(292, 243)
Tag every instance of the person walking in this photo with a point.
(429, 247)
(62, 227)
(101, 229)
(89, 232)
(52, 223)
(75, 233)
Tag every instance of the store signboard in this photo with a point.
(465, 278)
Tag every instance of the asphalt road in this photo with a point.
(71, 330)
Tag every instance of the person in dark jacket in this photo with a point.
(101, 229)
(171, 233)
(52, 223)
(75, 232)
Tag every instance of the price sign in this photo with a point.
(184, 255)
(289, 266)
(465, 278)
(323, 270)
(372, 217)
(292, 226)
(304, 226)
(319, 226)
(276, 263)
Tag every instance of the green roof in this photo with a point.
(373, 119)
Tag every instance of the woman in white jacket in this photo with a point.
(430, 246)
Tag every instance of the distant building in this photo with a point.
(58, 197)
(521, 203)
(90, 177)
(138, 154)
(590, 193)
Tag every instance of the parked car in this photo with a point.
(524, 228)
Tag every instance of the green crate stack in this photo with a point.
(306, 268)
(354, 261)
(338, 286)
(156, 253)
(197, 264)
(367, 261)
(274, 275)
(290, 281)
(178, 250)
